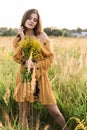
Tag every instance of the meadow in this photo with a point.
(68, 77)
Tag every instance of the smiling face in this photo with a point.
(32, 21)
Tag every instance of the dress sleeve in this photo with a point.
(18, 51)
(46, 51)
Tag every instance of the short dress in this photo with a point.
(43, 90)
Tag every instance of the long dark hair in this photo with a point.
(38, 27)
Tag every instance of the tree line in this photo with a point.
(63, 32)
(4, 31)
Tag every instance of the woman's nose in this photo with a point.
(32, 20)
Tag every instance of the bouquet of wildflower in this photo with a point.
(31, 48)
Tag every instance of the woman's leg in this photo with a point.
(23, 114)
(55, 112)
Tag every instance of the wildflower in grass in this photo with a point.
(81, 124)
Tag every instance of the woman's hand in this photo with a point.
(29, 63)
(21, 32)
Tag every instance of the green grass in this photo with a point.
(68, 77)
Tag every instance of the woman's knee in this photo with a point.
(54, 110)
(56, 113)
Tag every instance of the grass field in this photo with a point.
(68, 77)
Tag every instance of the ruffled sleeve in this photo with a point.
(18, 51)
(46, 51)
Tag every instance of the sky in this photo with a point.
(69, 14)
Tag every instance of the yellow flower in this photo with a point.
(30, 45)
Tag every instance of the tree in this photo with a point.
(48, 31)
(8, 32)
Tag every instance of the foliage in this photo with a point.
(8, 32)
(31, 48)
(81, 124)
(51, 31)
(48, 31)
(30, 45)
(68, 78)
(56, 32)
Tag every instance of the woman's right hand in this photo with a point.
(21, 32)
(29, 63)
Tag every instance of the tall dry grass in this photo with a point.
(68, 77)
(69, 80)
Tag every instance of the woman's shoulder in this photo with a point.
(16, 40)
(42, 36)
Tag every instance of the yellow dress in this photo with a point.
(42, 65)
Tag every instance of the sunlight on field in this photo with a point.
(68, 76)
(74, 50)
(69, 42)
(6, 43)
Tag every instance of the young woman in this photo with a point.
(31, 25)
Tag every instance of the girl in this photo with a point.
(31, 25)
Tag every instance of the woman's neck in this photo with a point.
(30, 32)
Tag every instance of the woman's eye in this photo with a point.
(35, 20)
